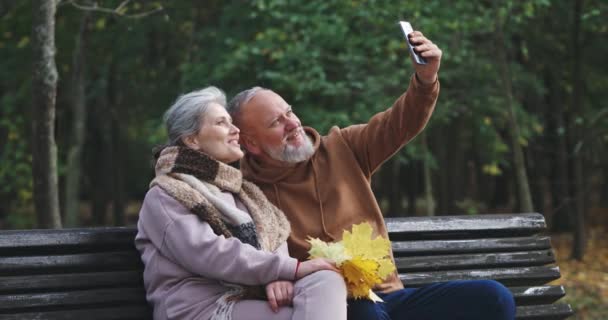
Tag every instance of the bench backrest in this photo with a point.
(509, 248)
(71, 274)
(96, 273)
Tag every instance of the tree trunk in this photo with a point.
(411, 190)
(547, 200)
(563, 181)
(99, 163)
(77, 130)
(428, 181)
(456, 165)
(444, 173)
(578, 245)
(44, 91)
(523, 187)
(394, 187)
(118, 163)
(116, 152)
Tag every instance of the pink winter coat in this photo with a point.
(185, 261)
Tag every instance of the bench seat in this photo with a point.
(96, 273)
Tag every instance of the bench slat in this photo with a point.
(544, 312)
(81, 297)
(465, 226)
(20, 284)
(507, 276)
(40, 238)
(478, 260)
(108, 313)
(540, 312)
(430, 247)
(523, 296)
(537, 295)
(126, 260)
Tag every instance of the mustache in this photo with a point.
(294, 131)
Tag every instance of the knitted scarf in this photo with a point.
(195, 180)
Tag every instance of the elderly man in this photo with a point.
(322, 183)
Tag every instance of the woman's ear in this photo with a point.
(190, 142)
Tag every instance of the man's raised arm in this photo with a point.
(386, 132)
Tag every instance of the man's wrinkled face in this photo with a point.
(271, 129)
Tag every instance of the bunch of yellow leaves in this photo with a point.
(363, 261)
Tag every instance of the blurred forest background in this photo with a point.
(521, 124)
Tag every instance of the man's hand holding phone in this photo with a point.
(425, 54)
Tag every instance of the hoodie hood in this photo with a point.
(274, 171)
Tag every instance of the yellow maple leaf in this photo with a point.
(359, 243)
(360, 276)
(386, 267)
(333, 250)
(363, 261)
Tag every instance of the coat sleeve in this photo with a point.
(386, 132)
(192, 244)
(283, 250)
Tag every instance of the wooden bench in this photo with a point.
(96, 273)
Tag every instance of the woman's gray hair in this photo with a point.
(235, 104)
(186, 114)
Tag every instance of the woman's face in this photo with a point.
(217, 137)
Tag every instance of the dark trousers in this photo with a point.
(454, 300)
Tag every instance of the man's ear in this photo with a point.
(250, 145)
(190, 142)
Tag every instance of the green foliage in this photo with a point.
(15, 172)
(334, 61)
(15, 157)
(337, 62)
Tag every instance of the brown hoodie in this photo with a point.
(330, 192)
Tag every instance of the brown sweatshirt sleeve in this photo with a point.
(387, 131)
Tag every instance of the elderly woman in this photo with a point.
(211, 242)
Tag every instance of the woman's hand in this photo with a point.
(309, 266)
(279, 293)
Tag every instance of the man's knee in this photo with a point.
(363, 309)
(497, 296)
(495, 289)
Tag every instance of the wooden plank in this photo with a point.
(113, 296)
(476, 260)
(465, 226)
(537, 295)
(540, 312)
(544, 312)
(111, 313)
(20, 284)
(125, 260)
(54, 238)
(430, 247)
(508, 276)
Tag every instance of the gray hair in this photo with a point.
(235, 104)
(186, 114)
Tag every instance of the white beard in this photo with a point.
(293, 154)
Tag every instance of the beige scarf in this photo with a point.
(196, 180)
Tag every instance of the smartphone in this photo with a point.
(406, 27)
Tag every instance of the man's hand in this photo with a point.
(279, 293)
(427, 73)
